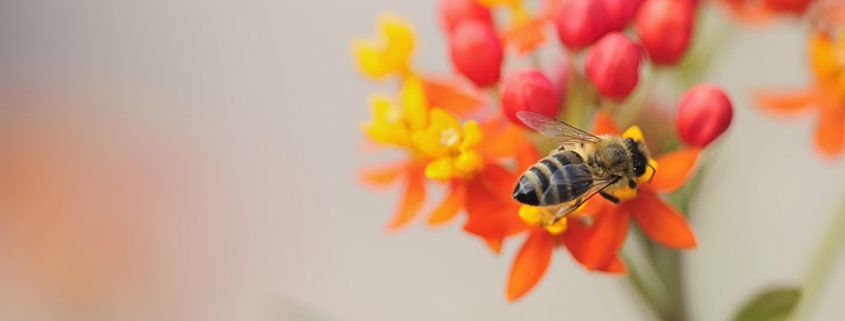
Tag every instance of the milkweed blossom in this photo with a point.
(595, 233)
(475, 148)
(826, 97)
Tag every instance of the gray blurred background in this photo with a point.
(207, 155)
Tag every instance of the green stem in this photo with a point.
(822, 265)
(648, 289)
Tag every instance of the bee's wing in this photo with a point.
(555, 129)
(598, 185)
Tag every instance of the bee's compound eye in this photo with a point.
(638, 159)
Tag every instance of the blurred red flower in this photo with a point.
(665, 28)
(704, 113)
(613, 65)
(529, 90)
(476, 52)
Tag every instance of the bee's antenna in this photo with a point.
(653, 171)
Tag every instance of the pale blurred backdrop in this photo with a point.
(196, 160)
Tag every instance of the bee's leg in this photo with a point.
(611, 198)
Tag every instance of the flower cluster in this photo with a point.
(475, 147)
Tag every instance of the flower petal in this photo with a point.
(530, 264)
(494, 244)
(452, 96)
(525, 36)
(414, 105)
(472, 135)
(383, 174)
(397, 33)
(412, 199)
(785, 103)
(440, 169)
(369, 59)
(749, 12)
(615, 266)
(597, 245)
(468, 163)
(824, 57)
(450, 206)
(603, 124)
(526, 156)
(491, 212)
(501, 139)
(830, 131)
(661, 222)
(675, 168)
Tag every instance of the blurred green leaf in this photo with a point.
(772, 305)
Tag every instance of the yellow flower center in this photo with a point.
(450, 137)
(450, 145)
(543, 217)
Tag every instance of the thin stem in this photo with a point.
(648, 294)
(822, 264)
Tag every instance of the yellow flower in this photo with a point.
(392, 124)
(450, 145)
(389, 52)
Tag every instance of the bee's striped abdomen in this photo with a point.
(555, 179)
(567, 184)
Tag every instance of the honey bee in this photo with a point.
(582, 166)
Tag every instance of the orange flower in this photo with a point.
(464, 156)
(827, 58)
(595, 233)
(597, 245)
(534, 256)
(525, 32)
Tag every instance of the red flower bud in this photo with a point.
(529, 90)
(453, 12)
(613, 65)
(665, 28)
(620, 13)
(476, 52)
(705, 113)
(580, 23)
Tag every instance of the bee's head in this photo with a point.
(639, 152)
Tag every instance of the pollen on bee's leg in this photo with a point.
(626, 193)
